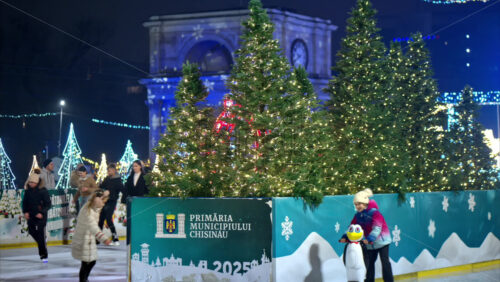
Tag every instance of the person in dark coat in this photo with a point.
(36, 204)
(113, 184)
(136, 184)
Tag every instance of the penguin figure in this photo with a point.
(354, 263)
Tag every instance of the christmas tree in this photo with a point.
(470, 156)
(103, 169)
(6, 176)
(303, 148)
(195, 160)
(126, 160)
(259, 81)
(71, 159)
(34, 165)
(424, 119)
(364, 125)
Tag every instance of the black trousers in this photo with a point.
(107, 214)
(85, 270)
(386, 264)
(36, 228)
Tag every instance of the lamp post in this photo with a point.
(61, 104)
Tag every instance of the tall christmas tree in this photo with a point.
(424, 121)
(303, 148)
(259, 81)
(103, 169)
(34, 165)
(470, 156)
(364, 125)
(126, 160)
(196, 163)
(72, 157)
(6, 176)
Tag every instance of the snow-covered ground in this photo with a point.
(24, 264)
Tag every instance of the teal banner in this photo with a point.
(428, 231)
(200, 239)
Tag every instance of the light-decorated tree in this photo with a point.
(72, 157)
(424, 118)
(103, 169)
(195, 160)
(303, 148)
(126, 160)
(6, 176)
(364, 125)
(34, 165)
(266, 135)
(471, 157)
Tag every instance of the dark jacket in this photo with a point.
(139, 190)
(114, 185)
(36, 200)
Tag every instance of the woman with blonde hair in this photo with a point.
(87, 230)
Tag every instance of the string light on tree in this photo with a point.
(126, 160)
(72, 157)
(103, 171)
(34, 165)
(6, 176)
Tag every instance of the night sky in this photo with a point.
(40, 65)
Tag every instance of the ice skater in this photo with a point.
(36, 204)
(87, 230)
(113, 184)
(379, 238)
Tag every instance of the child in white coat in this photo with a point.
(84, 246)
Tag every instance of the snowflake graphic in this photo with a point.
(396, 235)
(489, 215)
(431, 228)
(286, 228)
(445, 204)
(337, 227)
(472, 202)
(209, 84)
(412, 202)
(197, 32)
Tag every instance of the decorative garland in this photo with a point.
(446, 2)
(121, 124)
(483, 98)
(28, 115)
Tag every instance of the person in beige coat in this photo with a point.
(83, 246)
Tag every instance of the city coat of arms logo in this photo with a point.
(170, 223)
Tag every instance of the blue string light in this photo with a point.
(453, 1)
(121, 124)
(480, 97)
(29, 115)
(407, 39)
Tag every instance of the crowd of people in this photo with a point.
(95, 204)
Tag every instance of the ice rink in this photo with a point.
(24, 265)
